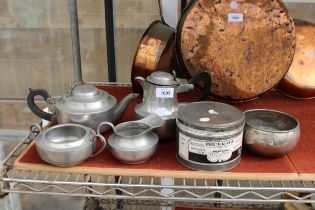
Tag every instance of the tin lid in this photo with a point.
(161, 78)
(210, 115)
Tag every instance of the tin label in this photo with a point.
(214, 151)
(164, 92)
(235, 17)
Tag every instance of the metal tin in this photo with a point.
(209, 136)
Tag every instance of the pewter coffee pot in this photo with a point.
(160, 91)
(83, 104)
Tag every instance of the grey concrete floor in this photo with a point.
(8, 140)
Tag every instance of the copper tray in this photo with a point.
(247, 46)
(299, 82)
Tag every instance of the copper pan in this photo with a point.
(246, 46)
(299, 82)
(156, 52)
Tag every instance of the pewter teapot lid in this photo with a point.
(86, 99)
(86, 93)
(162, 78)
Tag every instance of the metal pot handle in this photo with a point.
(35, 129)
(206, 78)
(32, 105)
(99, 127)
(103, 140)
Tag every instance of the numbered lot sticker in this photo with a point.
(235, 17)
(165, 92)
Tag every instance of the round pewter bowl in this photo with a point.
(270, 133)
(68, 144)
(130, 148)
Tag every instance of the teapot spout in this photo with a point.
(143, 83)
(122, 105)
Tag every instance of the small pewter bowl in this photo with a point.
(270, 133)
(68, 144)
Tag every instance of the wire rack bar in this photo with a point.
(177, 187)
(150, 190)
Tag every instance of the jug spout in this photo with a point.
(122, 105)
(153, 121)
(143, 83)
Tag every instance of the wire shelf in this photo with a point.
(146, 190)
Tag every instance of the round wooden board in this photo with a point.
(299, 82)
(247, 46)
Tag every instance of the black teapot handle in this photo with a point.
(207, 83)
(32, 105)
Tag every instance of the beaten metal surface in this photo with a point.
(152, 190)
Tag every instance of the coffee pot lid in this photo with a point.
(161, 78)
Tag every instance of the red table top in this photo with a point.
(297, 162)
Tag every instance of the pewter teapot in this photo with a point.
(83, 104)
(160, 91)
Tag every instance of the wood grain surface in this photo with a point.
(247, 46)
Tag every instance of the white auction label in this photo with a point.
(235, 17)
(164, 92)
(214, 151)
